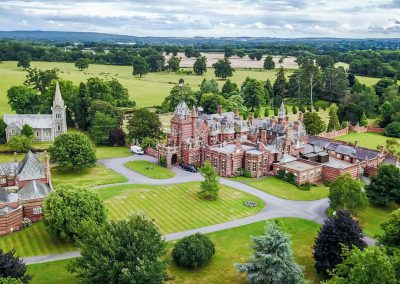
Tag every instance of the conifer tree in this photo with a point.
(280, 87)
(333, 123)
(272, 260)
(363, 120)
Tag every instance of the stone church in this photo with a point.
(46, 127)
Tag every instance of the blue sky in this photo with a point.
(268, 18)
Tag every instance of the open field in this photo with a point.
(34, 241)
(283, 189)
(177, 207)
(150, 170)
(98, 175)
(366, 139)
(231, 246)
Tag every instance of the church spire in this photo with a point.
(58, 100)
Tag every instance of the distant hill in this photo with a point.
(84, 37)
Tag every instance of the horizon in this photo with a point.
(222, 18)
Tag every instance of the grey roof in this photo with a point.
(337, 164)
(31, 168)
(58, 100)
(317, 141)
(254, 152)
(33, 120)
(7, 209)
(8, 169)
(33, 190)
(365, 154)
(346, 150)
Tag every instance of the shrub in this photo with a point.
(256, 113)
(276, 111)
(27, 130)
(163, 161)
(117, 137)
(316, 108)
(294, 110)
(309, 108)
(266, 112)
(26, 222)
(193, 251)
(302, 109)
(305, 186)
(20, 143)
(148, 142)
(393, 129)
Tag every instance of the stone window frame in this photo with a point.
(37, 210)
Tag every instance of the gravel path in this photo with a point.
(274, 206)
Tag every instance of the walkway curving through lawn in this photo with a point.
(274, 206)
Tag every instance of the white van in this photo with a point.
(137, 150)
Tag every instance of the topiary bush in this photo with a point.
(193, 251)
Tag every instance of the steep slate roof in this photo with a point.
(33, 120)
(34, 190)
(30, 168)
(365, 154)
(7, 169)
(346, 150)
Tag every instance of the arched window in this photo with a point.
(59, 128)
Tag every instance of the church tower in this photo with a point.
(59, 113)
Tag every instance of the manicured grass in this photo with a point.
(283, 189)
(7, 158)
(366, 139)
(231, 245)
(34, 241)
(177, 207)
(51, 272)
(372, 218)
(369, 81)
(98, 175)
(106, 152)
(150, 170)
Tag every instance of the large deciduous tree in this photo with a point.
(385, 187)
(13, 267)
(391, 228)
(346, 193)
(325, 61)
(24, 60)
(144, 123)
(70, 207)
(313, 123)
(228, 88)
(371, 265)
(181, 92)
(210, 185)
(337, 231)
(223, 68)
(200, 65)
(23, 99)
(210, 102)
(82, 63)
(140, 66)
(272, 260)
(253, 93)
(269, 63)
(173, 64)
(101, 127)
(39, 79)
(125, 251)
(73, 151)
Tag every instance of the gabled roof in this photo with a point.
(33, 120)
(7, 169)
(31, 168)
(346, 150)
(34, 190)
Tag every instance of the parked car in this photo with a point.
(188, 168)
(137, 150)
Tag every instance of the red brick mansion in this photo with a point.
(23, 186)
(261, 146)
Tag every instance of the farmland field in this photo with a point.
(366, 139)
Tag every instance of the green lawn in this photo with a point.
(177, 207)
(98, 175)
(106, 152)
(366, 139)
(372, 218)
(283, 189)
(150, 170)
(369, 81)
(232, 246)
(34, 241)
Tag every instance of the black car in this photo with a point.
(188, 168)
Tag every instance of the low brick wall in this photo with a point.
(334, 133)
(150, 151)
(375, 129)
